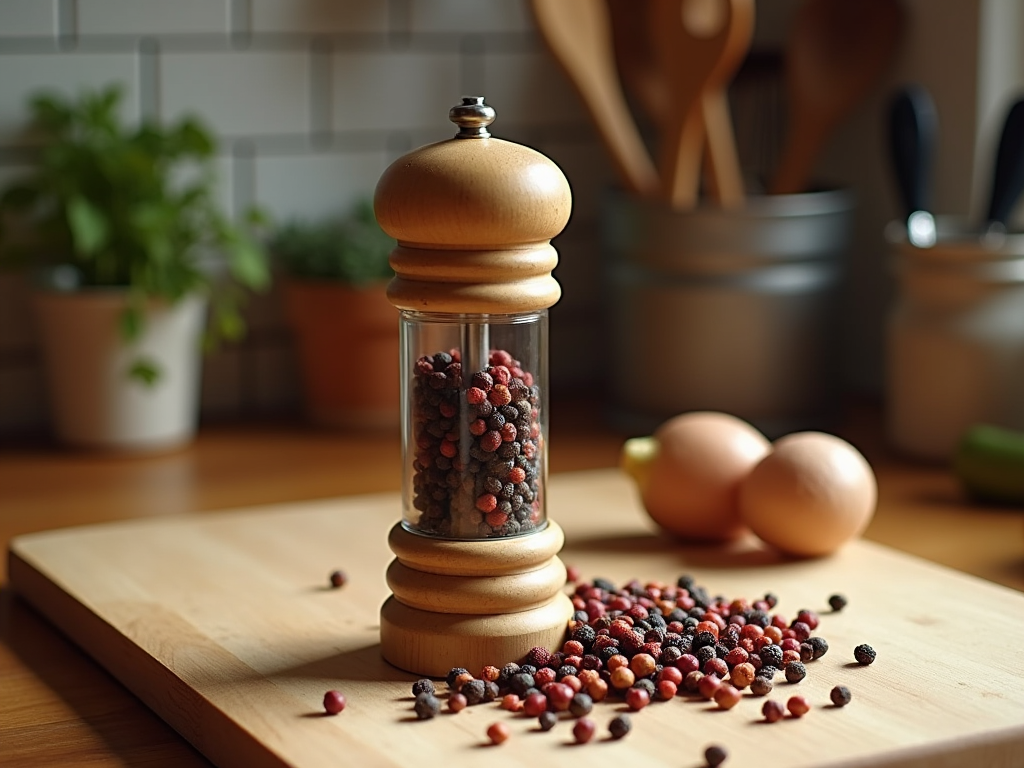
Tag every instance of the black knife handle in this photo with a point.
(1008, 178)
(913, 131)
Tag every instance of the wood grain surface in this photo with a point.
(225, 626)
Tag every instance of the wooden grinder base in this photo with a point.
(472, 603)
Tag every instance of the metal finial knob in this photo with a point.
(472, 116)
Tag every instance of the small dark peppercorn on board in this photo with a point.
(227, 627)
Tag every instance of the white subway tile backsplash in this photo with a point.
(151, 17)
(22, 74)
(393, 91)
(529, 89)
(470, 16)
(241, 93)
(28, 18)
(316, 185)
(319, 17)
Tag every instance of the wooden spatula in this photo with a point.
(578, 34)
(837, 50)
(699, 45)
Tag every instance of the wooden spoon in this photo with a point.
(634, 58)
(836, 51)
(699, 45)
(579, 36)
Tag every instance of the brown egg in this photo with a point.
(810, 495)
(688, 473)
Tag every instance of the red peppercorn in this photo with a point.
(449, 449)
(666, 689)
(334, 702)
(490, 441)
(736, 656)
(486, 502)
(535, 703)
(637, 698)
(687, 663)
(498, 733)
(716, 667)
(573, 648)
(573, 682)
(478, 427)
(499, 395)
(496, 519)
(338, 579)
(773, 711)
(511, 702)
(671, 674)
(727, 697)
(583, 730)
(708, 685)
(543, 676)
(798, 706)
(475, 396)
(559, 696)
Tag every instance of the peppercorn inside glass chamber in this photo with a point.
(474, 424)
(476, 578)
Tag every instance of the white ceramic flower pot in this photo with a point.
(94, 401)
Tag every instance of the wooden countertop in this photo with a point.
(60, 708)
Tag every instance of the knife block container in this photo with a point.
(726, 310)
(476, 578)
(954, 339)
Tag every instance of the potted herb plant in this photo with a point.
(346, 331)
(130, 250)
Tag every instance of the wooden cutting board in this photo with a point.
(225, 626)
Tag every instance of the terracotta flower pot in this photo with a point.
(347, 340)
(93, 400)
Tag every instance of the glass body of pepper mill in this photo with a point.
(476, 579)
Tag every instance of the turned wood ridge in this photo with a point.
(473, 217)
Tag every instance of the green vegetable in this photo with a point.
(129, 206)
(989, 461)
(351, 249)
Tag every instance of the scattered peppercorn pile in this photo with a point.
(647, 642)
(478, 447)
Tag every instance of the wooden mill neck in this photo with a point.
(473, 217)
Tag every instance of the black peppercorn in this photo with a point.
(837, 602)
(474, 691)
(619, 726)
(453, 673)
(585, 634)
(547, 720)
(771, 655)
(761, 686)
(767, 671)
(647, 684)
(795, 671)
(338, 579)
(423, 686)
(840, 695)
(507, 672)
(864, 654)
(705, 654)
(581, 705)
(520, 682)
(819, 645)
(426, 706)
(703, 639)
(806, 651)
(715, 755)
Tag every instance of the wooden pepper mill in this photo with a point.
(476, 578)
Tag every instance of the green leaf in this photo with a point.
(248, 264)
(130, 322)
(145, 371)
(88, 226)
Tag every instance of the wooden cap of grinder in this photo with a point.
(473, 217)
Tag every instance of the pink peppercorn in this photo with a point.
(727, 697)
(475, 396)
(666, 689)
(573, 648)
(490, 674)
(498, 733)
(801, 630)
(798, 706)
(573, 682)
(543, 676)
(334, 702)
(616, 661)
(490, 441)
(499, 395)
(716, 667)
(511, 702)
(535, 703)
(687, 663)
(457, 702)
(477, 427)
(789, 644)
(773, 711)
(671, 674)
(622, 678)
(486, 502)
(559, 696)
(751, 631)
(810, 618)
(583, 730)
(788, 656)
(736, 656)
(637, 699)
(496, 519)
(707, 686)
(643, 664)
